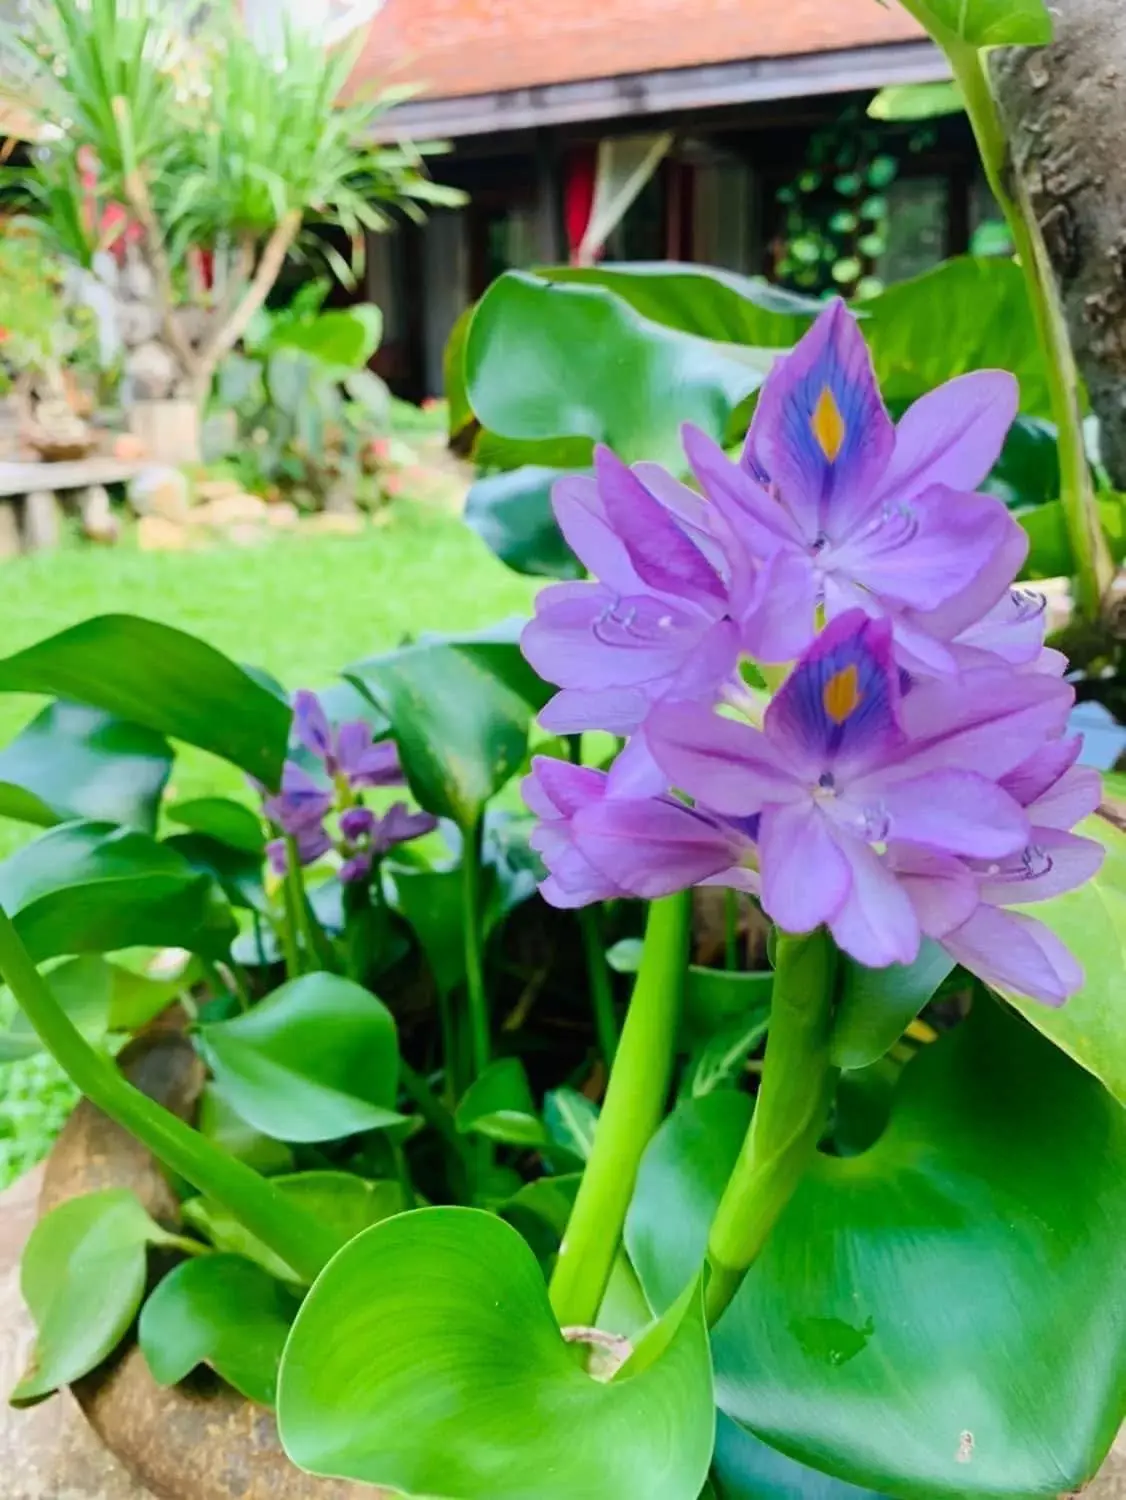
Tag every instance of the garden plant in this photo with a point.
(833, 1206)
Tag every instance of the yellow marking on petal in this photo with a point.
(841, 694)
(828, 425)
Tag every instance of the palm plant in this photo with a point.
(193, 138)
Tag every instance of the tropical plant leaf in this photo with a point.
(876, 1006)
(985, 23)
(223, 819)
(512, 515)
(499, 1106)
(746, 1468)
(571, 1119)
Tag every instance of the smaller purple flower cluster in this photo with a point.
(911, 777)
(351, 762)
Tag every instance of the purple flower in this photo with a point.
(356, 868)
(399, 825)
(310, 724)
(346, 750)
(356, 823)
(597, 846)
(870, 515)
(311, 844)
(302, 802)
(842, 767)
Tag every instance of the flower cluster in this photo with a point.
(349, 762)
(911, 776)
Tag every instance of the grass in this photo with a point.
(301, 606)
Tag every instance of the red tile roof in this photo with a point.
(455, 47)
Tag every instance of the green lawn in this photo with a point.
(301, 606)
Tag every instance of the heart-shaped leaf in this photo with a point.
(94, 887)
(83, 1276)
(222, 1311)
(74, 762)
(316, 1060)
(218, 1121)
(237, 873)
(530, 376)
(512, 515)
(499, 1106)
(426, 1358)
(1002, 1173)
(223, 819)
(877, 1005)
(1092, 922)
(985, 23)
(164, 679)
(460, 709)
(343, 1202)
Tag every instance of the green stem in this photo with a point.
(730, 929)
(479, 1028)
(289, 925)
(635, 1102)
(793, 1100)
(601, 989)
(302, 1241)
(1094, 569)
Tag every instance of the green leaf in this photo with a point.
(343, 1202)
(433, 902)
(746, 1468)
(223, 819)
(985, 23)
(316, 1060)
(427, 1359)
(876, 1006)
(1002, 1174)
(720, 1062)
(512, 515)
(571, 1119)
(82, 1276)
(222, 1311)
(541, 1211)
(93, 887)
(625, 956)
(344, 337)
(714, 998)
(916, 101)
(530, 375)
(74, 762)
(964, 315)
(82, 988)
(163, 679)
(1092, 922)
(217, 1121)
(461, 710)
(499, 1106)
(1028, 470)
(237, 873)
(1050, 553)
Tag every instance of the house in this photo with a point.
(719, 127)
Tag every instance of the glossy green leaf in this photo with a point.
(1028, 470)
(876, 1006)
(715, 998)
(1092, 922)
(143, 984)
(512, 515)
(499, 1106)
(222, 1311)
(82, 1276)
(74, 762)
(94, 887)
(218, 1121)
(625, 956)
(530, 374)
(222, 819)
(985, 23)
(346, 337)
(237, 873)
(917, 101)
(344, 1202)
(432, 902)
(541, 1211)
(1049, 554)
(571, 1119)
(746, 1468)
(426, 1359)
(82, 988)
(966, 314)
(1002, 1174)
(461, 713)
(721, 1060)
(163, 679)
(316, 1060)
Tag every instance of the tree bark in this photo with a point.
(1064, 109)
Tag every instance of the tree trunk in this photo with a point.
(1064, 109)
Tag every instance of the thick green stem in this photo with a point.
(1094, 568)
(598, 978)
(635, 1102)
(302, 1241)
(793, 1101)
(479, 1028)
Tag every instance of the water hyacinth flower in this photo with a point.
(347, 750)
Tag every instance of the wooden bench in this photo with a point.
(34, 496)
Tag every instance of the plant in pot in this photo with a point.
(168, 155)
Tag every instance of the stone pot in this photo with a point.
(200, 1440)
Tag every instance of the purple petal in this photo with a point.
(661, 554)
(805, 876)
(750, 511)
(941, 889)
(952, 435)
(310, 724)
(958, 812)
(365, 764)
(356, 823)
(1014, 952)
(837, 708)
(654, 846)
(582, 519)
(1076, 795)
(311, 844)
(557, 788)
(969, 614)
(820, 433)
(725, 764)
(1040, 772)
(635, 773)
(399, 825)
(356, 869)
(616, 710)
(301, 803)
(989, 720)
(876, 924)
(696, 517)
(779, 622)
(1053, 863)
(278, 856)
(599, 640)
